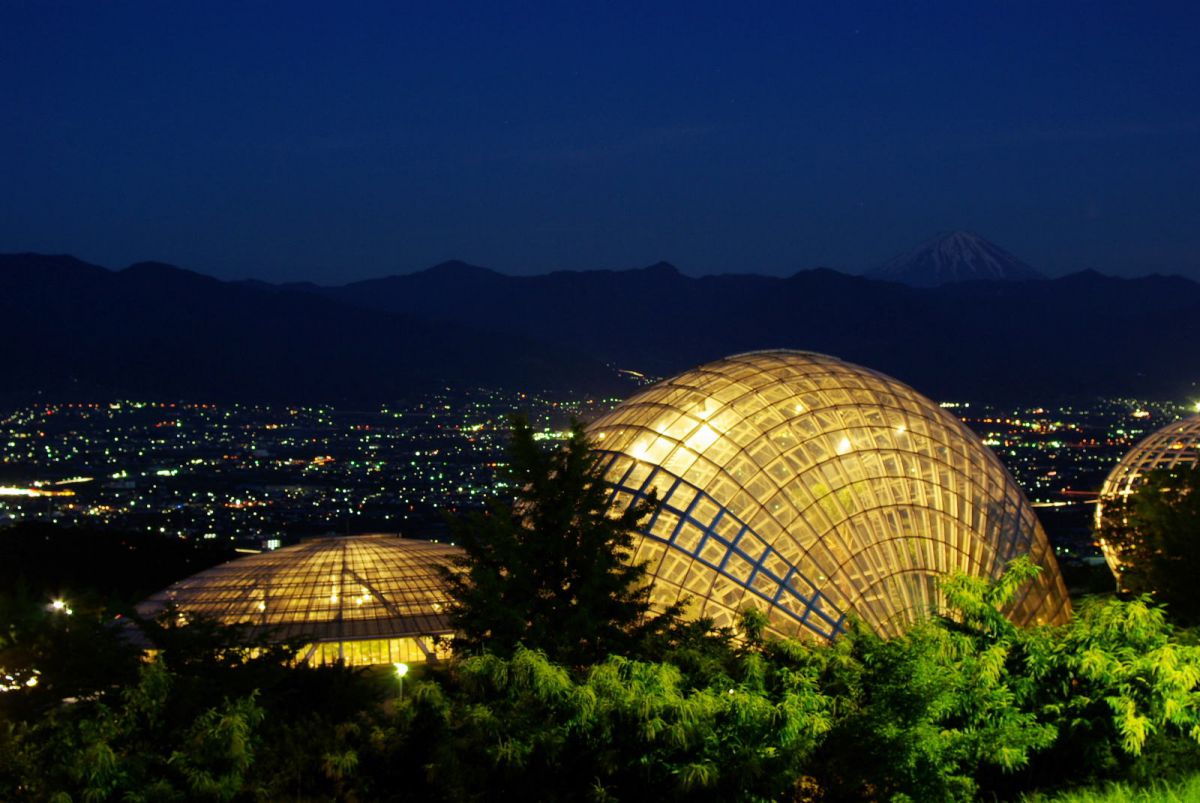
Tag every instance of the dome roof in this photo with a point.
(1177, 445)
(340, 589)
(813, 489)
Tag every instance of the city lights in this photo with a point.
(315, 469)
(396, 468)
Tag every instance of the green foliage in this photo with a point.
(1186, 791)
(962, 706)
(1121, 687)
(969, 703)
(133, 750)
(524, 727)
(919, 715)
(1156, 534)
(548, 571)
(70, 655)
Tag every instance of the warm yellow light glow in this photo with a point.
(9, 490)
(58, 605)
(401, 669)
(389, 588)
(701, 439)
(754, 511)
(1175, 446)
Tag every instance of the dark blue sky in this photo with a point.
(340, 141)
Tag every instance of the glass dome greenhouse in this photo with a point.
(370, 599)
(1177, 445)
(814, 489)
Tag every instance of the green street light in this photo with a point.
(401, 671)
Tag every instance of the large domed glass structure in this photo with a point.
(1177, 445)
(814, 489)
(370, 599)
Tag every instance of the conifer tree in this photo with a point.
(550, 569)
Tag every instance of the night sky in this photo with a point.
(336, 141)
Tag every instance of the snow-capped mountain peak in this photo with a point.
(959, 256)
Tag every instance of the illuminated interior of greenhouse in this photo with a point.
(1177, 445)
(368, 599)
(814, 490)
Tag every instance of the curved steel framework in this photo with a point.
(370, 599)
(1176, 445)
(812, 489)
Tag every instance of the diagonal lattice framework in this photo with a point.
(815, 489)
(1177, 445)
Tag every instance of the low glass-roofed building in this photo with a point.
(814, 489)
(1175, 446)
(368, 599)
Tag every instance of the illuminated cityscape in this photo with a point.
(261, 476)
(258, 474)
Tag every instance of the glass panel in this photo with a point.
(843, 481)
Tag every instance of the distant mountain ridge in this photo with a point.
(67, 327)
(975, 339)
(66, 324)
(957, 256)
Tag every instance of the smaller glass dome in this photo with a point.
(368, 599)
(1175, 446)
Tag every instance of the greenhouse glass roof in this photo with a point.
(815, 489)
(324, 589)
(1177, 445)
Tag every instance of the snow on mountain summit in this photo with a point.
(959, 256)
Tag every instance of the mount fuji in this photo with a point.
(959, 256)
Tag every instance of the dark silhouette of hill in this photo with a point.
(67, 327)
(1083, 334)
(70, 327)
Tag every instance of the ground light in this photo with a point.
(401, 671)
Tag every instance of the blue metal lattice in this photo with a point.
(817, 612)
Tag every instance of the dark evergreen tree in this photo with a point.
(550, 569)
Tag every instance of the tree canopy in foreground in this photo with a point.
(959, 707)
(549, 568)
